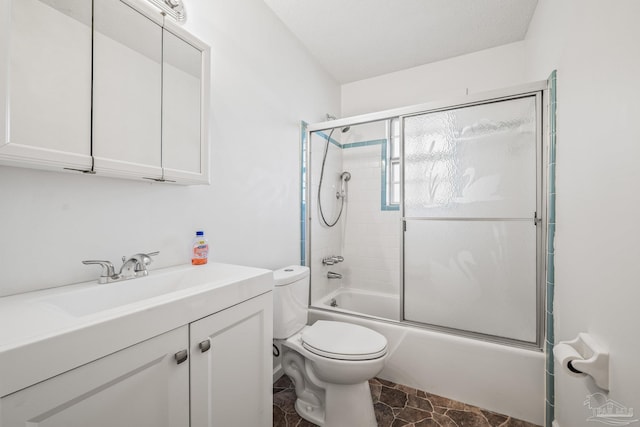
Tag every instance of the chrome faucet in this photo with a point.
(135, 266)
(332, 275)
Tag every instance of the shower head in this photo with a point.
(332, 117)
(345, 176)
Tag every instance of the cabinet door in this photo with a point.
(141, 386)
(127, 91)
(45, 83)
(185, 76)
(231, 381)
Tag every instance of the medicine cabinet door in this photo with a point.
(45, 83)
(127, 85)
(184, 92)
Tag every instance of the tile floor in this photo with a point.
(398, 406)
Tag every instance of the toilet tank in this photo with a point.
(290, 300)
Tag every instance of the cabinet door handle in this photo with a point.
(181, 356)
(205, 345)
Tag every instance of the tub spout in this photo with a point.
(332, 275)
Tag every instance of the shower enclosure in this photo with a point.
(440, 224)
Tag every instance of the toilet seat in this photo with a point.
(343, 341)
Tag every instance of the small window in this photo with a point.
(391, 188)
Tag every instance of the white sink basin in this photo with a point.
(62, 328)
(88, 300)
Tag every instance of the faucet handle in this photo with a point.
(142, 260)
(107, 269)
(146, 258)
(328, 260)
(333, 259)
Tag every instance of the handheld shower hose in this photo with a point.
(344, 177)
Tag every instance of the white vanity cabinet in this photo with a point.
(112, 87)
(213, 372)
(142, 385)
(231, 374)
(45, 84)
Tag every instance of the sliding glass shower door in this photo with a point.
(471, 200)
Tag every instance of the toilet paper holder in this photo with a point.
(584, 356)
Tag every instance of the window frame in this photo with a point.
(390, 196)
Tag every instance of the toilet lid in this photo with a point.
(344, 341)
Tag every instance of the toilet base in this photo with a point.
(311, 413)
(345, 406)
(349, 405)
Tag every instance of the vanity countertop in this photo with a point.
(48, 332)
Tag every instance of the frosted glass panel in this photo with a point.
(477, 161)
(475, 276)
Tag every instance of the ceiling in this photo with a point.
(358, 39)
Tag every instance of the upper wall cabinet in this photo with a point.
(45, 83)
(125, 95)
(127, 90)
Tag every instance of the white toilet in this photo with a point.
(330, 363)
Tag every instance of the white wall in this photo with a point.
(594, 46)
(263, 84)
(485, 70)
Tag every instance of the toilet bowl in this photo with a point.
(330, 363)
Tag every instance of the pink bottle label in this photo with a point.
(200, 253)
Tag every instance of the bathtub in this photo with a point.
(497, 377)
(358, 301)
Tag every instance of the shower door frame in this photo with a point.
(540, 90)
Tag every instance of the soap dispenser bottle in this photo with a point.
(200, 249)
